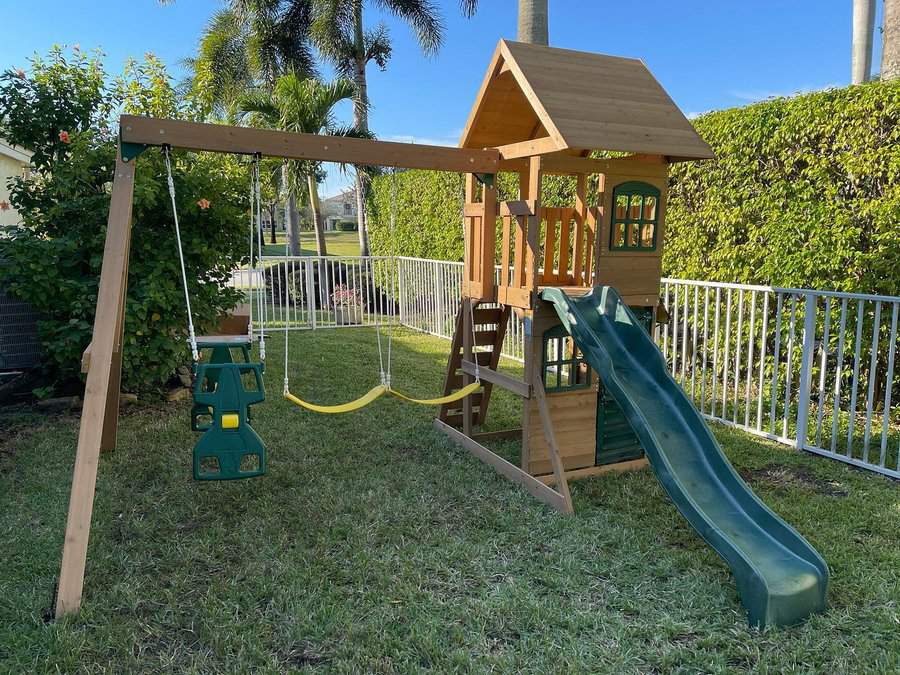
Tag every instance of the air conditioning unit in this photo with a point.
(20, 345)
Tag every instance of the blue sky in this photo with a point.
(708, 54)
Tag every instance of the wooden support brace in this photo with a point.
(589, 471)
(497, 435)
(101, 376)
(505, 381)
(519, 207)
(559, 471)
(534, 487)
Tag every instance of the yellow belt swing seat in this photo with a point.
(379, 390)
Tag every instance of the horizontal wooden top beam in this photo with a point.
(246, 141)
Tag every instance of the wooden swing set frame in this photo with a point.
(102, 360)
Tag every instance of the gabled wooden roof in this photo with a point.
(543, 99)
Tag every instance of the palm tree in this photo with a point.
(339, 32)
(890, 53)
(247, 45)
(302, 105)
(863, 27)
(533, 20)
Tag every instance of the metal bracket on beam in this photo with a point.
(130, 151)
(485, 178)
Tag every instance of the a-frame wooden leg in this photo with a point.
(562, 484)
(110, 298)
(111, 417)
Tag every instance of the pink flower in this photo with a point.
(203, 204)
(4, 206)
(64, 136)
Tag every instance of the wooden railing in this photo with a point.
(568, 246)
(564, 258)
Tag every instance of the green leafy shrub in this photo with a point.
(64, 113)
(805, 191)
(347, 226)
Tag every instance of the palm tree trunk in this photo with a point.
(316, 211)
(360, 121)
(533, 19)
(291, 215)
(362, 217)
(890, 54)
(863, 28)
(292, 223)
(273, 212)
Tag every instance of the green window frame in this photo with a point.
(635, 217)
(564, 367)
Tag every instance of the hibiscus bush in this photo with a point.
(64, 111)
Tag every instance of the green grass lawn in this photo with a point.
(375, 545)
(337, 243)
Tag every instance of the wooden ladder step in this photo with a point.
(486, 316)
(485, 338)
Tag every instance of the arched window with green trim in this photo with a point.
(564, 367)
(635, 217)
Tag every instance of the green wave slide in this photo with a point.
(780, 577)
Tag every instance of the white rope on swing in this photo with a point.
(252, 269)
(284, 292)
(187, 298)
(263, 309)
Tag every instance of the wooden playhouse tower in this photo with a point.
(546, 110)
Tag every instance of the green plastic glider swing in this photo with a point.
(229, 448)
(384, 387)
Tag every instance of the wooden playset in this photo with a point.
(585, 279)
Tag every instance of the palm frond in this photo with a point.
(423, 17)
(468, 8)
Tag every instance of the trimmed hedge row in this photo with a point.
(805, 191)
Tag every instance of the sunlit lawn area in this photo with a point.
(375, 545)
(338, 243)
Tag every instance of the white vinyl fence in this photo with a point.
(811, 369)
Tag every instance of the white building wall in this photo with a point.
(12, 163)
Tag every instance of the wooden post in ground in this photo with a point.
(468, 348)
(97, 399)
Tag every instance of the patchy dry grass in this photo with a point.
(374, 545)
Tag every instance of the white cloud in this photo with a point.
(450, 139)
(754, 95)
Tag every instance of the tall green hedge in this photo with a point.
(805, 191)
(429, 215)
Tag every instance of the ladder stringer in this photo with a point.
(497, 349)
(452, 413)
